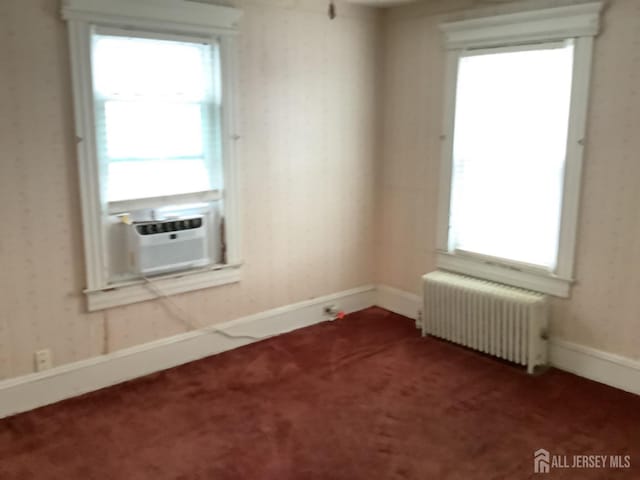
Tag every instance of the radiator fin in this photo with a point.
(495, 319)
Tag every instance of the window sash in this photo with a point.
(464, 165)
(207, 119)
(204, 21)
(580, 23)
(210, 126)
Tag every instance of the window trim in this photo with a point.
(578, 22)
(161, 17)
(124, 206)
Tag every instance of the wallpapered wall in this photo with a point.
(604, 309)
(308, 116)
(327, 199)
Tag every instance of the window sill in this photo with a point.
(530, 280)
(124, 206)
(128, 293)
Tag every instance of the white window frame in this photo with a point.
(516, 31)
(157, 17)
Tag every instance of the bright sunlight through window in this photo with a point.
(157, 116)
(509, 150)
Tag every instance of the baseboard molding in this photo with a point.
(398, 301)
(613, 370)
(39, 389)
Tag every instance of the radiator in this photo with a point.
(507, 322)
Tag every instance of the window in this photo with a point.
(509, 150)
(514, 134)
(154, 104)
(157, 104)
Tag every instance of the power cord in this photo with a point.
(186, 320)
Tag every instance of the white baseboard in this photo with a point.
(43, 388)
(40, 389)
(613, 370)
(398, 301)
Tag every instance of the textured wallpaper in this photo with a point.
(308, 117)
(604, 309)
(328, 202)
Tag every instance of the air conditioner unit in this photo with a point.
(168, 245)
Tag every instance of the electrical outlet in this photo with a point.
(43, 360)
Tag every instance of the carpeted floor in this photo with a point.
(362, 398)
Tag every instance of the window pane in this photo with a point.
(157, 104)
(153, 130)
(511, 125)
(133, 67)
(156, 178)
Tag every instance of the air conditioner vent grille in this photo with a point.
(151, 228)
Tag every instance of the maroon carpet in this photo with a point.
(361, 398)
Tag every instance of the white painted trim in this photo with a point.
(152, 13)
(43, 388)
(39, 389)
(613, 370)
(519, 31)
(176, 283)
(603, 367)
(398, 301)
(94, 241)
(123, 206)
(533, 26)
(531, 280)
(583, 54)
(159, 17)
(446, 159)
(231, 161)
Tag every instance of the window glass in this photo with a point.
(157, 107)
(509, 152)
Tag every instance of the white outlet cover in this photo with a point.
(43, 360)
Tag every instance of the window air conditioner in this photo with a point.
(168, 245)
